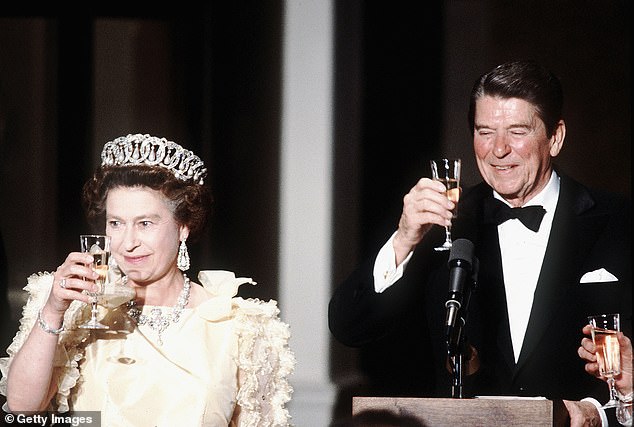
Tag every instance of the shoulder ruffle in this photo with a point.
(221, 286)
(69, 352)
(265, 360)
(222, 282)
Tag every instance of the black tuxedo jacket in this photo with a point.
(401, 331)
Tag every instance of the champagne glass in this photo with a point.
(604, 329)
(99, 247)
(116, 290)
(447, 171)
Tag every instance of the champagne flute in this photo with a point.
(447, 171)
(604, 328)
(116, 290)
(99, 247)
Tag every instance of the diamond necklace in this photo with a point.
(156, 320)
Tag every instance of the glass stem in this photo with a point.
(93, 311)
(613, 393)
(448, 234)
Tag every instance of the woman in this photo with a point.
(193, 355)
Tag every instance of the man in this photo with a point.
(535, 286)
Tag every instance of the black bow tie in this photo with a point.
(498, 212)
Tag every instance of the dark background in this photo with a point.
(209, 77)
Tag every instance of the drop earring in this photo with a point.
(182, 262)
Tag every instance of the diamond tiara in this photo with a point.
(149, 150)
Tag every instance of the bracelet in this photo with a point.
(47, 328)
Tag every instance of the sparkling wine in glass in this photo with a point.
(604, 330)
(115, 292)
(99, 247)
(447, 171)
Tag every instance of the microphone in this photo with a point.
(461, 263)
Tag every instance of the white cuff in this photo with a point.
(386, 272)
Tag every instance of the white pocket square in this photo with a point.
(600, 275)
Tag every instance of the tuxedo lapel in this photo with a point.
(552, 286)
(492, 282)
(496, 337)
(569, 238)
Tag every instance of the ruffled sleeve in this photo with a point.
(265, 360)
(69, 351)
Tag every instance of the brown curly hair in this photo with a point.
(192, 202)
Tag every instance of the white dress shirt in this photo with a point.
(522, 255)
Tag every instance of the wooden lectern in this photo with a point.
(438, 412)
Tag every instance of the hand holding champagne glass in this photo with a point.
(112, 291)
(447, 171)
(604, 328)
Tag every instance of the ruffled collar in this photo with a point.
(222, 286)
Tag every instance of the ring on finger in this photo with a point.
(62, 283)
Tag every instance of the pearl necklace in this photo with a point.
(156, 320)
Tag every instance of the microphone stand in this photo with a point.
(456, 342)
(456, 358)
(456, 386)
